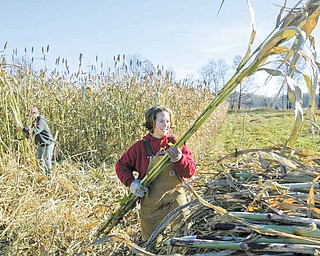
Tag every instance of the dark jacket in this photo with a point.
(41, 132)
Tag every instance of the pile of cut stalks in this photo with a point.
(258, 202)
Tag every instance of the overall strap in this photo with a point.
(172, 140)
(148, 148)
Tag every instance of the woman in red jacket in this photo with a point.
(165, 193)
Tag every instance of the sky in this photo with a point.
(182, 35)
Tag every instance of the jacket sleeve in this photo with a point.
(40, 126)
(26, 132)
(125, 167)
(186, 166)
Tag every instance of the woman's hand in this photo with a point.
(175, 154)
(138, 189)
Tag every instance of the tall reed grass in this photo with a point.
(94, 117)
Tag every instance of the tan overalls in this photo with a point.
(164, 195)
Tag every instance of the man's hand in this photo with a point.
(175, 154)
(138, 189)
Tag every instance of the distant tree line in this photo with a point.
(213, 76)
(216, 72)
(254, 101)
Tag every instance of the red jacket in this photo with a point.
(135, 159)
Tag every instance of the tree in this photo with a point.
(137, 64)
(287, 70)
(242, 92)
(214, 74)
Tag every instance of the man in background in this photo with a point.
(43, 139)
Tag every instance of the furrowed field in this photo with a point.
(256, 191)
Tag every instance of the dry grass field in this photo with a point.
(256, 191)
(59, 216)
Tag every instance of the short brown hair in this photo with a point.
(151, 114)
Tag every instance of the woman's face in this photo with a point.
(162, 124)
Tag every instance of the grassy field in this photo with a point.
(264, 128)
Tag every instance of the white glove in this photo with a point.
(175, 154)
(138, 189)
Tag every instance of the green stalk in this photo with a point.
(275, 218)
(129, 201)
(269, 48)
(283, 240)
(260, 239)
(243, 246)
(270, 229)
(294, 186)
